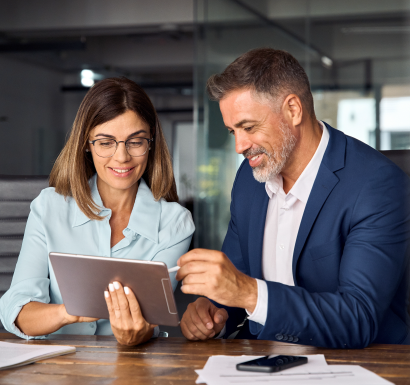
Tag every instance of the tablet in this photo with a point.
(82, 280)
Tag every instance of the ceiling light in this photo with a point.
(87, 78)
(327, 62)
(87, 82)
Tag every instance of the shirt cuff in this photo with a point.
(261, 310)
(11, 326)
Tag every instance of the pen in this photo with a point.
(173, 269)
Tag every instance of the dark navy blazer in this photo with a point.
(350, 258)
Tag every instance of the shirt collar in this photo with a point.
(273, 185)
(303, 186)
(145, 215)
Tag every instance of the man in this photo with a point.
(318, 242)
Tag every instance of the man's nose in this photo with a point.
(242, 141)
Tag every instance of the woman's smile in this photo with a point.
(121, 172)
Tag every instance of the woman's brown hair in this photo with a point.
(74, 166)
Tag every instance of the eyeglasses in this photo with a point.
(105, 148)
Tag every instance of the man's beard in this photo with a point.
(274, 166)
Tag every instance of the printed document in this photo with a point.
(221, 370)
(18, 354)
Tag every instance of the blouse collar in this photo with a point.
(145, 215)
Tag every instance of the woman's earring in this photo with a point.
(87, 150)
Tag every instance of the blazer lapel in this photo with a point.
(325, 182)
(323, 186)
(257, 230)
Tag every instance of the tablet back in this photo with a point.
(82, 280)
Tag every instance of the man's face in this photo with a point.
(261, 135)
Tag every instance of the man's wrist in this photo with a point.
(260, 312)
(250, 299)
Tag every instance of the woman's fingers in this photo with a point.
(108, 301)
(122, 301)
(114, 299)
(127, 322)
(133, 305)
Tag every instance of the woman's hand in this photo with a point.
(71, 319)
(127, 322)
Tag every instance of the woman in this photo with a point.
(112, 193)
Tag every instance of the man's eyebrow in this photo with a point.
(243, 122)
(129, 136)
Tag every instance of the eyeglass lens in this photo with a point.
(107, 147)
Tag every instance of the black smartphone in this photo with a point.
(270, 364)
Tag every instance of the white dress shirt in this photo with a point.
(283, 217)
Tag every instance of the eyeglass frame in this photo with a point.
(125, 143)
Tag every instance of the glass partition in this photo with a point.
(357, 62)
(225, 30)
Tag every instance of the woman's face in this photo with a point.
(121, 171)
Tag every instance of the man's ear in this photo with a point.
(292, 109)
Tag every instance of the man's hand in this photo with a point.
(210, 273)
(203, 320)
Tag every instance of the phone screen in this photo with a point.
(272, 363)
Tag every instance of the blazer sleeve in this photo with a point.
(231, 247)
(374, 260)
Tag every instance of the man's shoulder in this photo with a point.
(359, 157)
(363, 159)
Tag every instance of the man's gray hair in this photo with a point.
(270, 73)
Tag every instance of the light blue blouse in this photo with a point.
(157, 231)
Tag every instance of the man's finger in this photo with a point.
(199, 278)
(204, 314)
(195, 326)
(200, 320)
(220, 316)
(193, 267)
(187, 333)
(200, 255)
(197, 289)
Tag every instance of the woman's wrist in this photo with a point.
(66, 319)
(147, 335)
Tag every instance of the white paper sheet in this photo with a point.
(221, 370)
(14, 354)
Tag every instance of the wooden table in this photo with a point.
(100, 360)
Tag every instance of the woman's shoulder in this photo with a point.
(176, 220)
(49, 199)
(168, 213)
(174, 211)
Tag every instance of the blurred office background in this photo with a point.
(355, 52)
